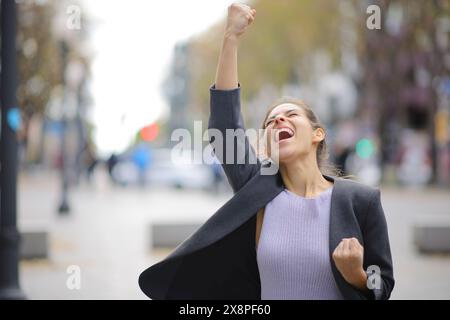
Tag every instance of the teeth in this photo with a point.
(288, 130)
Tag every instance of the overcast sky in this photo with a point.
(133, 43)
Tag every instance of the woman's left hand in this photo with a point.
(348, 257)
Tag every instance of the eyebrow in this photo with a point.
(290, 110)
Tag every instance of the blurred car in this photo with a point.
(167, 170)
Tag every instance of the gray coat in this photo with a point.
(218, 261)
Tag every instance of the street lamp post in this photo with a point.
(64, 207)
(9, 236)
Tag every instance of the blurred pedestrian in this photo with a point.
(141, 158)
(111, 163)
(91, 163)
(342, 154)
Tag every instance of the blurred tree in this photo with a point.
(403, 65)
(41, 65)
(38, 56)
(276, 50)
(38, 61)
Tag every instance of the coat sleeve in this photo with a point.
(377, 252)
(228, 138)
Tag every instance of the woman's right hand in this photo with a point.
(240, 16)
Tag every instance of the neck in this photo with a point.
(303, 177)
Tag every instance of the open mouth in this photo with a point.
(284, 134)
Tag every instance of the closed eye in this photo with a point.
(269, 122)
(290, 115)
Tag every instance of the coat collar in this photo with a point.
(255, 194)
(244, 204)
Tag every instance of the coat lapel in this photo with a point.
(342, 225)
(260, 190)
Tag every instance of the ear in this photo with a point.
(318, 135)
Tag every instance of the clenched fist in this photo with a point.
(348, 257)
(240, 16)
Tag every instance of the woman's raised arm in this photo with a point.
(240, 16)
(235, 153)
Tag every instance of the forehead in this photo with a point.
(283, 108)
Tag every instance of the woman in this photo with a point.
(296, 234)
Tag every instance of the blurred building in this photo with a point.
(176, 89)
(405, 64)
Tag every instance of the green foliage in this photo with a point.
(281, 41)
(38, 57)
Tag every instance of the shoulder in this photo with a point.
(357, 191)
(363, 199)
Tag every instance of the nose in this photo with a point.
(279, 118)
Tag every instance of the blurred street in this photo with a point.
(107, 236)
(105, 153)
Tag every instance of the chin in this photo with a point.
(285, 155)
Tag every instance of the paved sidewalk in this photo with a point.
(107, 236)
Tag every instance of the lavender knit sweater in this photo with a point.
(293, 249)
